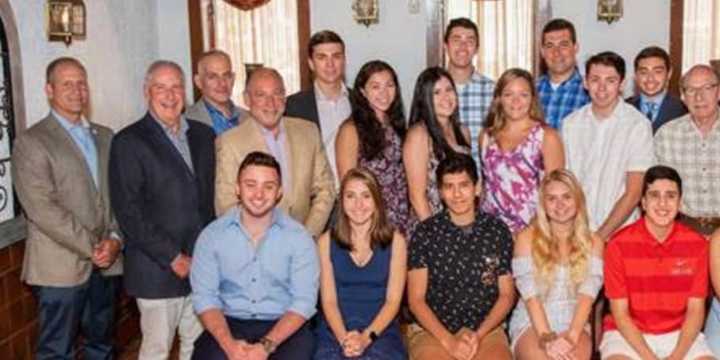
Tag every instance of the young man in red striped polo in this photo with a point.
(656, 277)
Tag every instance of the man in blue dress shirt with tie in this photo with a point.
(255, 274)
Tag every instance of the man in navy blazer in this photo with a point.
(652, 75)
(327, 103)
(162, 171)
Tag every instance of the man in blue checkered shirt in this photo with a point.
(560, 88)
(475, 91)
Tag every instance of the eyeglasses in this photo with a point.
(705, 89)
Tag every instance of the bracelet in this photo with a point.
(546, 338)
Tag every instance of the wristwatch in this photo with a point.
(268, 345)
(546, 338)
(373, 336)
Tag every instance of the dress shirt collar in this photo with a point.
(656, 99)
(234, 110)
(67, 124)
(235, 218)
(181, 131)
(269, 134)
(320, 95)
(575, 77)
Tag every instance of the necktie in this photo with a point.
(650, 109)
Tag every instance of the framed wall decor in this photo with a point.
(366, 12)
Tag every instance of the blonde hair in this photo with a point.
(545, 246)
(496, 120)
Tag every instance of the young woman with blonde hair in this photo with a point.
(557, 265)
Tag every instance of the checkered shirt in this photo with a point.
(558, 103)
(475, 99)
(680, 145)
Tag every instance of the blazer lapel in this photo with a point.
(64, 140)
(161, 139)
(293, 143)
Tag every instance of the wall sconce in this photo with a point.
(366, 12)
(65, 20)
(609, 10)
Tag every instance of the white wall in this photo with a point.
(398, 39)
(645, 23)
(123, 38)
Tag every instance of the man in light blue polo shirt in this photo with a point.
(255, 274)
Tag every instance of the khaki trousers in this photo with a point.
(424, 346)
(159, 320)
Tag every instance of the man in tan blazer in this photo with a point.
(308, 184)
(60, 168)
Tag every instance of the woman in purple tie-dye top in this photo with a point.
(517, 148)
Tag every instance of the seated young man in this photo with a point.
(255, 274)
(656, 277)
(459, 285)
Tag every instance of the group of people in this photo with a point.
(232, 227)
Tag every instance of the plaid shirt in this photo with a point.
(475, 99)
(678, 144)
(558, 103)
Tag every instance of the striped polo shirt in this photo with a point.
(656, 278)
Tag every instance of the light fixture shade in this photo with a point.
(65, 20)
(246, 4)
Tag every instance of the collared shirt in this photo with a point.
(83, 138)
(230, 274)
(277, 146)
(559, 102)
(474, 99)
(651, 105)
(221, 123)
(601, 153)
(179, 140)
(332, 113)
(680, 145)
(463, 265)
(656, 278)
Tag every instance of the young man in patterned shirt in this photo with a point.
(560, 88)
(475, 91)
(459, 284)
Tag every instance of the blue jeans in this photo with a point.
(64, 311)
(712, 327)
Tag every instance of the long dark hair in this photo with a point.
(423, 111)
(369, 128)
(381, 231)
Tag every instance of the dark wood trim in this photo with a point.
(435, 51)
(196, 38)
(676, 44)
(303, 15)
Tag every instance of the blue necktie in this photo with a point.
(650, 110)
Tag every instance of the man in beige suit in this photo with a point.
(60, 168)
(308, 187)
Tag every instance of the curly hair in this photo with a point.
(545, 246)
(495, 119)
(369, 128)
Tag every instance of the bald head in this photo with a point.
(701, 93)
(265, 97)
(215, 78)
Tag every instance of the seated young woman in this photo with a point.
(362, 277)
(558, 270)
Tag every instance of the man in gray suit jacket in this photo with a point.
(215, 79)
(71, 255)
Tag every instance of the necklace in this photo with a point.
(361, 259)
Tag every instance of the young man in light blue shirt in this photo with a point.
(255, 274)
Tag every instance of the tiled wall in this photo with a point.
(18, 315)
